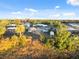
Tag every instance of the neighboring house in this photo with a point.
(73, 26)
(42, 27)
(73, 30)
(27, 24)
(10, 30)
(32, 29)
(39, 25)
(11, 27)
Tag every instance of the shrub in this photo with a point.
(22, 40)
(43, 38)
(73, 43)
(50, 43)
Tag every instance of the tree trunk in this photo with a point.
(20, 34)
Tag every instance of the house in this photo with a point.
(27, 24)
(10, 30)
(32, 29)
(39, 25)
(11, 27)
(42, 27)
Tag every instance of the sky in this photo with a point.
(45, 9)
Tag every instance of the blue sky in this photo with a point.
(52, 9)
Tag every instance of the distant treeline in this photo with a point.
(41, 20)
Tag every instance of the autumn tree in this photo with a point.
(2, 30)
(17, 21)
(20, 29)
(4, 22)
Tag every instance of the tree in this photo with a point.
(17, 21)
(64, 39)
(61, 36)
(2, 30)
(73, 43)
(22, 40)
(4, 22)
(61, 39)
(20, 29)
(49, 43)
(42, 37)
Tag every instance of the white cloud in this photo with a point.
(33, 10)
(55, 16)
(45, 13)
(70, 14)
(73, 2)
(27, 12)
(15, 13)
(30, 9)
(56, 7)
(63, 15)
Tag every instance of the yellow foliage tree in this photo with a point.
(4, 22)
(2, 30)
(20, 29)
(17, 21)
